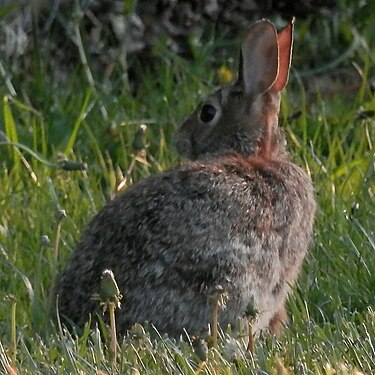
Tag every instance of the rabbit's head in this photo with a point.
(243, 117)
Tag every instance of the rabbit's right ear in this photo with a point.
(259, 59)
(285, 38)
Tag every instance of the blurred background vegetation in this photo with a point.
(91, 95)
(116, 43)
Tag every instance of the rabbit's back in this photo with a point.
(239, 223)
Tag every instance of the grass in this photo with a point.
(95, 122)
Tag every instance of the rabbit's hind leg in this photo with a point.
(277, 322)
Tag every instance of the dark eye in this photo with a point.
(208, 112)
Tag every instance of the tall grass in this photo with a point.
(52, 130)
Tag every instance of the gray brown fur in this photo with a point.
(237, 217)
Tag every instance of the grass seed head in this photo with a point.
(60, 215)
(109, 291)
(45, 241)
(139, 141)
(251, 311)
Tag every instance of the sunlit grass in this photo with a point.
(60, 128)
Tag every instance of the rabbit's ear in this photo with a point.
(259, 59)
(285, 38)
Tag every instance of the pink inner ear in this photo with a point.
(285, 40)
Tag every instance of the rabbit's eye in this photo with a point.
(208, 113)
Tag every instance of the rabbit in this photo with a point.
(236, 216)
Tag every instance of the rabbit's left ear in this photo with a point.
(285, 42)
(259, 59)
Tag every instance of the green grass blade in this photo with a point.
(86, 107)
(11, 132)
(34, 154)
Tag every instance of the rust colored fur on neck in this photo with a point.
(268, 145)
(238, 164)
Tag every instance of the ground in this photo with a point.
(73, 137)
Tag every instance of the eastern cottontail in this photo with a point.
(238, 216)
